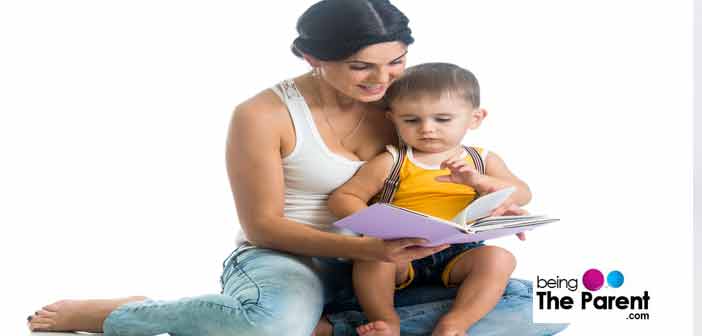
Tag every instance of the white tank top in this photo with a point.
(311, 170)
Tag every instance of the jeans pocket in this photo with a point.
(229, 264)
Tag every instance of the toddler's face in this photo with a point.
(434, 124)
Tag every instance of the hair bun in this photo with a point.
(335, 29)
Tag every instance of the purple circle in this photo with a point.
(593, 279)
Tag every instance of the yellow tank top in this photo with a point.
(419, 191)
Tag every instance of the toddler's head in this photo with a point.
(433, 105)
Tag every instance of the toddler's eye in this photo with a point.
(443, 119)
(411, 121)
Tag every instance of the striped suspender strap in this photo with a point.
(393, 181)
(477, 159)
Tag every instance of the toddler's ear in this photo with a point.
(477, 117)
(388, 114)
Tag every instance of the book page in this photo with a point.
(483, 206)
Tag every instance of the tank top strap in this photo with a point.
(298, 110)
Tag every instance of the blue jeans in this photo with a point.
(267, 292)
(429, 270)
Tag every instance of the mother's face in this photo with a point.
(366, 75)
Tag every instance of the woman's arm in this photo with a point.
(255, 171)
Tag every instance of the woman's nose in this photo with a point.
(382, 76)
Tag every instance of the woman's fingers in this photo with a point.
(408, 249)
(414, 253)
(408, 242)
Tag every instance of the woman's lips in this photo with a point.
(372, 89)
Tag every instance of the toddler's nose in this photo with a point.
(427, 127)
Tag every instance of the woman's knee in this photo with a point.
(221, 315)
(277, 293)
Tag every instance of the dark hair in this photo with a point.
(332, 30)
(435, 79)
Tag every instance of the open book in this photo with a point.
(473, 223)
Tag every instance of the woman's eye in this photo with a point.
(358, 68)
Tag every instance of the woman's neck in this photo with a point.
(325, 96)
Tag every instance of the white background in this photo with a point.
(698, 170)
(113, 119)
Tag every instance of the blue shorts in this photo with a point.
(435, 269)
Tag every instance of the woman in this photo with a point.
(288, 148)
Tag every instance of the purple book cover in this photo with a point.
(390, 222)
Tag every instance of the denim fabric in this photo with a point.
(266, 292)
(428, 270)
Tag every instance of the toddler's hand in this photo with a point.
(461, 172)
(509, 208)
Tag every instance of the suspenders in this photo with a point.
(392, 182)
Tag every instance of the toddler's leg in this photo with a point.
(374, 283)
(482, 274)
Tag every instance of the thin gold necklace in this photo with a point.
(338, 138)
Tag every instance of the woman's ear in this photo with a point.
(313, 61)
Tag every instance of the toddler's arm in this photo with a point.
(354, 195)
(497, 176)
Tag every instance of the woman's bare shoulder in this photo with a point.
(263, 115)
(262, 120)
(265, 105)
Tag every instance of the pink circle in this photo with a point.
(593, 279)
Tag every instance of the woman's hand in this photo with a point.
(401, 250)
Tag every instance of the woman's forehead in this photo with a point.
(379, 53)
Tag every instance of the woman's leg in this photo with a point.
(76, 315)
(265, 292)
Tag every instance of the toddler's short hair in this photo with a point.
(435, 79)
